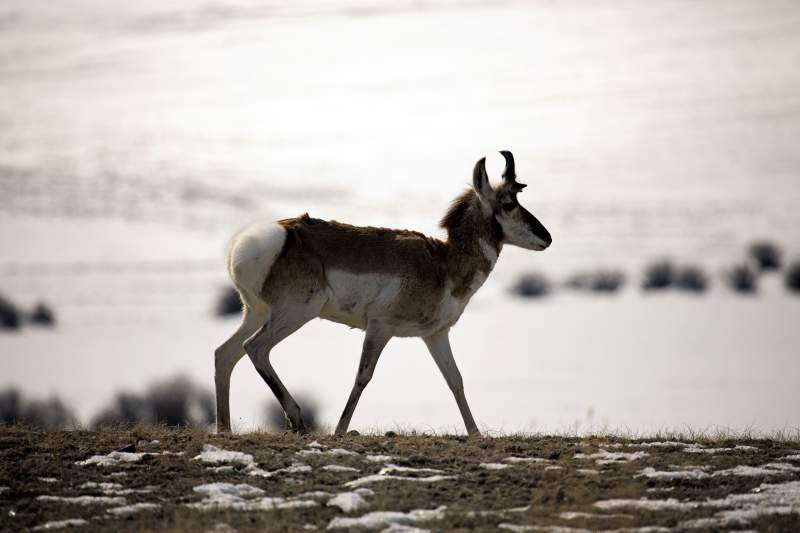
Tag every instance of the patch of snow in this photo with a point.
(390, 468)
(378, 458)
(572, 515)
(498, 512)
(740, 509)
(126, 510)
(115, 489)
(156, 441)
(314, 444)
(118, 474)
(332, 451)
(113, 459)
(295, 504)
(225, 490)
(604, 457)
(400, 528)
(769, 469)
(663, 444)
(650, 505)
(652, 473)
(105, 486)
(3, 489)
(83, 500)
(242, 497)
(549, 529)
(319, 494)
(212, 454)
(225, 469)
(493, 466)
(554, 467)
(340, 468)
(294, 468)
(388, 471)
(59, 524)
(378, 519)
(45, 480)
(380, 477)
(513, 460)
(588, 471)
(795, 457)
(348, 501)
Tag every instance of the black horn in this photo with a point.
(510, 172)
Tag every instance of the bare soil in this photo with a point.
(560, 483)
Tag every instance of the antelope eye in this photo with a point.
(508, 206)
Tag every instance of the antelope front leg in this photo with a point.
(374, 342)
(439, 346)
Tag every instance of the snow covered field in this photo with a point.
(134, 140)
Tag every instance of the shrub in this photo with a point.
(174, 402)
(742, 278)
(531, 286)
(691, 279)
(10, 317)
(605, 281)
(793, 277)
(50, 414)
(659, 275)
(275, 419)
(767, 255)
(229, 303)
(42, 315)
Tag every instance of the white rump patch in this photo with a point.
(60, 524)
(378, 519)
(251, 255)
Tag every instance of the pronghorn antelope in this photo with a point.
(390, 283)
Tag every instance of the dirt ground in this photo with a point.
(509, 483)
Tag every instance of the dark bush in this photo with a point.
(10, 317)
(229, 303)
(793, 277)
(691, 279)
(174, 402)
(275, 419)
(742, 278)
(50, 414)
(659, 275)
(42, 315)
(767, 255)
(605, 281)
(533, 285)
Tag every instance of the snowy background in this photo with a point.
(135, 139)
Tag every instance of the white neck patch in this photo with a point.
(489, 252)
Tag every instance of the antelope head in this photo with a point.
(519, 226)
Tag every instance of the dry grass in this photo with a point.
(28, 455)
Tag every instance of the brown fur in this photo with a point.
(425, 264)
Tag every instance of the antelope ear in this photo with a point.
(480, 181)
